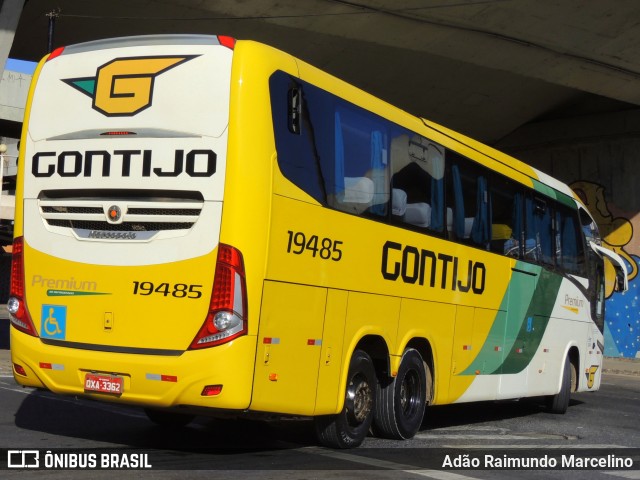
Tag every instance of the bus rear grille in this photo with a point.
(116, 213)
(122, 227)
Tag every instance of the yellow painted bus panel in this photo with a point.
(314, 245)
(289, 348)
(251, 160)
(367, 314)
(122, 306)
(328, 401)
(19, 209)
(463, 353)
(63, 369)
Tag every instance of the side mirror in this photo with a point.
(622, 283)
(622, 280)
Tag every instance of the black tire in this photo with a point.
(350, 427)
(559, 402)
(401, 401)
(168, 419)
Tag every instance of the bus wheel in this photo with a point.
(168, 419)
(401, 402)
(559, 402)
(349, 428)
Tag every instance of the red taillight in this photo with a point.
(228, 42)
(17, 268)
(19, 369)
(211, 390)
(19, 315)
(117, 133)
(227, 317)
(56, 53)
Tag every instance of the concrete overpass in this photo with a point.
(557, 83)
(484, 67)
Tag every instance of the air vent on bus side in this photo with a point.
(120, 215)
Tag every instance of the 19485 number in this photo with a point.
(324, 248)
(177, 290)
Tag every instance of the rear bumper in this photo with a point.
(149, 380)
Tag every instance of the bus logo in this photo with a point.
(114, 213)
(123, 87)
(591, 375)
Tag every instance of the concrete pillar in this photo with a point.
(10, 11)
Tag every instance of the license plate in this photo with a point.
(103, 384)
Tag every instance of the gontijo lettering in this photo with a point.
(195, 163)
(412, 265)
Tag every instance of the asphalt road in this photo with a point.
(286, 449)
(597, 424)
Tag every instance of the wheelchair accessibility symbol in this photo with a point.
(54, 322)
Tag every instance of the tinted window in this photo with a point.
(418, 167)
(569, 244)
(352, 160)
(506, 225)
(468, 202)
(298, 158)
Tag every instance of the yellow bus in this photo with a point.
(212, 226)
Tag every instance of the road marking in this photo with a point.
(487, 433)
(633, 474)
(59, 398)
(15, 387)
(502, 446)
(507, 437)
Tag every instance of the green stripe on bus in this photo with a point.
(529, 310)
(555, 194)
(544, 189)
(534, 323)
(503, 333)
(566, 200)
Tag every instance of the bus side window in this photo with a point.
(294, 107)
(589, 227)
(506, 222)
(544, 227)
(569, 245)
(481, 228)
(539, 231)
(469, 212)
(514, 246)
(460, 213)
(418, 182)
(361, 163)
